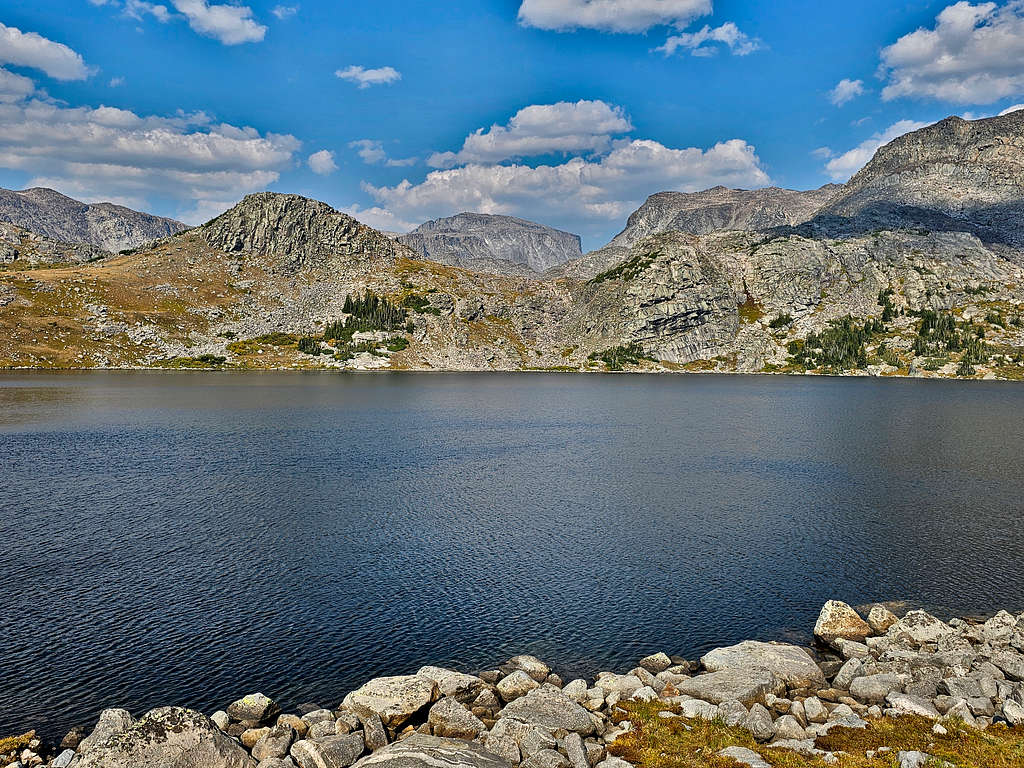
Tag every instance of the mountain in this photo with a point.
(717, 209)
(482, 241)
(956, 175)
(271, 284)
(19, 244)
(103, 225)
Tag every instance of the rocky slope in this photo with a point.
(19, 244)
(956, 175)
(871, 685)
(479, 241)
(102, 225)
(902, 300)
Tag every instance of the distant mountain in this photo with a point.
(481, 241)
(717, 209)
(956, 175)
(103, 225)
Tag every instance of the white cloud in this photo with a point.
(231, 24)
(27, 49)
(846, 90)
(972, 56)
(105, 153)
(1014, 108)
(137, 9)
(14, 87)
(322, 163)
(629, 16)
(367, 77)
(379, 218)
(283, 12)
(580, 193)
(842, 167)
(116, 82)
(372, 152)
(823, 153)
(542, 129)
(702, 42)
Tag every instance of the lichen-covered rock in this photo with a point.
(421, 751)
(551, 709)
(838, 620)
(254, 709)
(451, 719)
(880, 619)
(393, 699)
(170, 737)
(789, 663)
(112, 722)
(747, 686)
(328, 752)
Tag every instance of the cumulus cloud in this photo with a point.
(137, 9)
(580, 193)
(631, 16)
(283, 12)
(703, 42)
(379, 218)
(231, 24)
(542, 129)
(322, 163)
(846, 90)
(368, 77)
(105, 153)
(972, 56)
(14, 87)
(372, 152)
(1014, 108)
(842, 167)
(28, 49)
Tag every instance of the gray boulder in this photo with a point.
(421, 751)
(274, 743)
(254, 709)
(451, 719)
(393, 699)
(551, 709)
(517, 684)
(112, 722)
(920, 627)
(838, 620)
(789, 663)
(743, 685)
(744, 756)
(457, 685)
(170, 737)
(328, 752)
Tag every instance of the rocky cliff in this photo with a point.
(19, 244)
(956, 175)
(102, 225)
(477, 240)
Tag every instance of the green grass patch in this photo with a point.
(627, 270)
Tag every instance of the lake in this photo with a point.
(177, 538)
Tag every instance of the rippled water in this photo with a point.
(186, 539)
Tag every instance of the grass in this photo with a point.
(655, 741)
(616, 358)
(252, 346)
(750, 311)
(16, 743)
(659, 742)
(628, 269)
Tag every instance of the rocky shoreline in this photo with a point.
(956, 674)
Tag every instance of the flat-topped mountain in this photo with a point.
(480, 240)
(720, 208)
(103, 225)
(956, 175)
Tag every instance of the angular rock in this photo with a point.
(789, 663)
(905, 704)
(921, 627)
(251, 736)
(880, 619)
(274, 744)
(546, 758)
(112, 722)
(731, 712)
(531, 665)
(744, 686)
(328, 752)
(847, 673)
(873, 689)
(457, 685)
(420, 751)
(814, 710)
(1011, 664)
(702, 710)
(451, 719)
(1013, 712)
(575, 751)
(170, 737)
(254, 709)
(787, 727)
(625, 685)
(375, 736)
(745, 756)
(838, 620)
(504, 739)
(551, 709)
(515, 685)
(656, 662)
(760, 724)
(394, 699)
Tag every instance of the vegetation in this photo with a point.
(628, 269)
(252, 346)
(885, 301)
(616, 358)
(397, 343)
(12, 744)
(675, 742)
(310, 346)
(750, 311)
(889, 356)
(782, 321)
(420, 304)
(839, 347)
(369, 312)
(201, 362)
(939, 334)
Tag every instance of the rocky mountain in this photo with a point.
(481, 241)
(19, 244)
(956, 175)
(271, 284)
(717, 209)
(102, 225)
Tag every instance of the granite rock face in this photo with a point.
(482, 241)
(104, 226)
(956, 175)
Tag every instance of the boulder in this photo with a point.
(873, 689)
(394, 699)
(328, 752)
(250, 737)
(451, 719)
(576, 751)
(254, 709)
(170, 737)
(112, 722)
(788, 727)
(504, 739)
(531, 665)
(421, 751)
(375, 735)
(546, 758)
(624, 685)
(551, 709)
(880, 619)
(517, 684)
(905, 704)
(656, 663)
(457, 685)
(744, 756)
(814, 710)
(921, 627)
(838, 620)
(1010, 663)
(1013, 712)
(275, 743)
(743, 685)
(847, 673)
(760, 724)
(789, 663)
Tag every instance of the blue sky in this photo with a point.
(569, 112)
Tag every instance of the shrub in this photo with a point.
(782, 321)
(628, 269)
(397, 343)
(840, 347)
(309, 346)
(618, 357)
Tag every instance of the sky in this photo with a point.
(565, 112)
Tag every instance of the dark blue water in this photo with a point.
(186, 539)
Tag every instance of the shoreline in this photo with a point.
(862, 673)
